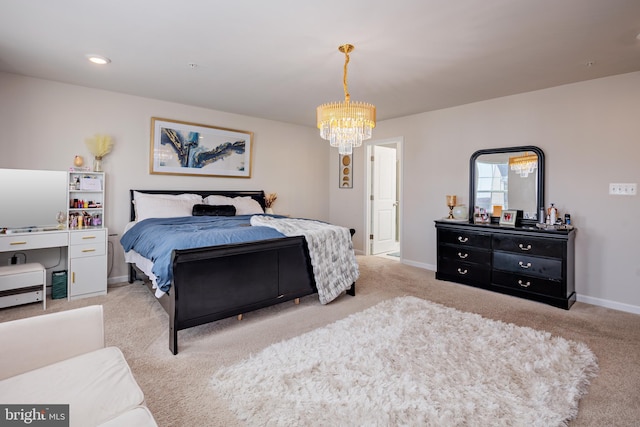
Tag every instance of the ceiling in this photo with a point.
(278, 59)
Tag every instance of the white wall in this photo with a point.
(44, 124)
(590, 133)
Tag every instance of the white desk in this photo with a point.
(86, 260)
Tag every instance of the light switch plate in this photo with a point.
(623, 189)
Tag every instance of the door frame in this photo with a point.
(398, 142)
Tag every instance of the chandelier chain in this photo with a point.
(347, 97)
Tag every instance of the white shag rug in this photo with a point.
(410, 362)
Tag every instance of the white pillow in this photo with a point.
(196, 198)
(184, 196)
(215, 200)
(246, 206)
(158, 207)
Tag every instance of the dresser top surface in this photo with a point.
(496, 228)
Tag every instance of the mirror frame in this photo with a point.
(472, 178)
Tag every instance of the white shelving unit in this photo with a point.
(86, 200)
(87, 235)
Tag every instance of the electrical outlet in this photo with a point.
(623, 189)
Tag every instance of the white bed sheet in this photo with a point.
(144, 264)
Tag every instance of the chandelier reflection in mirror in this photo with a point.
(347, 123)
(523, 165)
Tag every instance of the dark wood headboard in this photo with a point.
(257, 195)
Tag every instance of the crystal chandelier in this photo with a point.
(523, 165)
(346, 124)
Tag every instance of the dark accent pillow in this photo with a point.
(213, 210)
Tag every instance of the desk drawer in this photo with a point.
(87, 236)
(548, 268)
(26, 241)
(92, 249)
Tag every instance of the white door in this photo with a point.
(384, 203)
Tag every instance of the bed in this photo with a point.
(213, 282)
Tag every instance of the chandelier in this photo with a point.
(346, 124)
(523, 165)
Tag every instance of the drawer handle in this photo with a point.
(521, 246)
(463, 239)
(524, 285)
(73, 277)
(462, 256)
(463, 272)
(18, 243)
(88, 250)
(88, 237)
(523, 265)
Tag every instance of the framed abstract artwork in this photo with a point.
(346, 171)
(182, 148)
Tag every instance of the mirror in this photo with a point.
(32, 198)
(507, 178)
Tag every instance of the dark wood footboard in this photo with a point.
(216, 282)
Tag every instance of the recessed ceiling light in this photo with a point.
(98, 59)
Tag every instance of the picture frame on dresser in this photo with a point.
(509, 218)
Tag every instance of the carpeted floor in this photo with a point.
(177, 387)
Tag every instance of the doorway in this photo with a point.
(383, 198)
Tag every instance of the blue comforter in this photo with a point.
(156, 238)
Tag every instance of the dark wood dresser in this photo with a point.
(526, 262)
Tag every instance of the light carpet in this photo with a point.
(407, 361)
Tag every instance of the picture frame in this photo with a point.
(508, 218)
(184, 148)
(345, 167)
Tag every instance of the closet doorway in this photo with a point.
(383, 198)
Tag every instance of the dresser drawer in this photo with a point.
(526, 245)
(465, 238)
(25, 241)
(467, 254)
(464, 272)
(529, 284)
(87, 236)
(547, 268)
(91, 249)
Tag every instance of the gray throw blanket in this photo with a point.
(330, 248)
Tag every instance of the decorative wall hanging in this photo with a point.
(182, 148)
(346, 171)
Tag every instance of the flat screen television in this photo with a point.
(32, 198)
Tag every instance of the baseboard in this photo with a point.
(422, 265)
(119, 279)
(609, 304)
